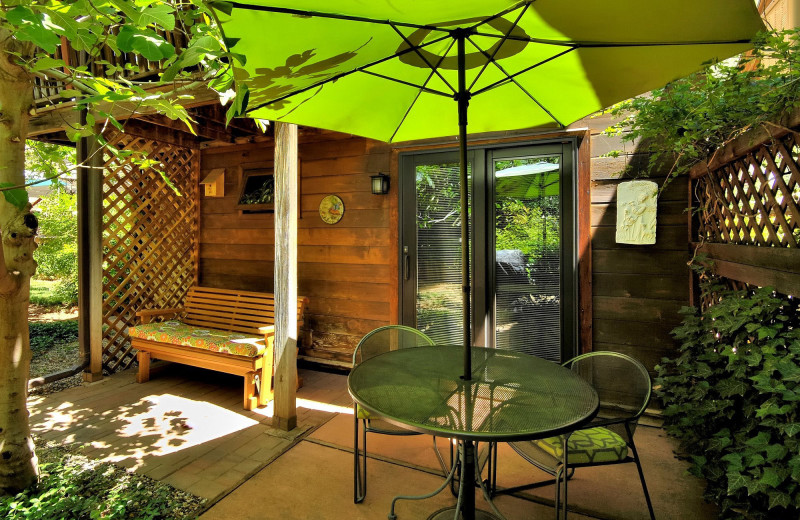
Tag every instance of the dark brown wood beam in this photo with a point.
(763, 266)
(61, 117)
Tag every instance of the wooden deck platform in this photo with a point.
(185, 427)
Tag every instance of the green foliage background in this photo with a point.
(732, 397)
(57, 254)
(690, 118)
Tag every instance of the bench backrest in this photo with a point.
(236, 311)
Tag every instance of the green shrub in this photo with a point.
(45, 334)
(76, 488)
(57, 254)
(66, 291)
(732, 397)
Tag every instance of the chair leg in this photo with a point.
(564, 473)
(641, 474)
(557, 505)
(359, 466)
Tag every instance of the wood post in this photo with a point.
(90, 257)
(285, 414)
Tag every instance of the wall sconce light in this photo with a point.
(380, 184)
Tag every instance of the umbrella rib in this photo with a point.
(497, 48)
(511, 78)
(524, 4)
(423, 58)
(408, 83)
(408, 111)
(319, 14)
(591, 45)
(343, 74)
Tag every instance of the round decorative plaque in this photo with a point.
(331, 209)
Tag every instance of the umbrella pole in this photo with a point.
(463, 102)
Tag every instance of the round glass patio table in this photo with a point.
(511, 397)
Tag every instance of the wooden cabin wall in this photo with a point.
(347, 270)
(637, 289)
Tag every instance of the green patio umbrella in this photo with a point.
(397, 70)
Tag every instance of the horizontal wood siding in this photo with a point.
(638, 290)
(347, 270)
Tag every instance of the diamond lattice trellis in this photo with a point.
(149, 237)
(755, 199)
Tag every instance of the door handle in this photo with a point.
(406, 264)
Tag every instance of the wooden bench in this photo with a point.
(219, 329)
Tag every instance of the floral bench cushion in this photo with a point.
(177, 333)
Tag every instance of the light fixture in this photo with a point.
(380, 184)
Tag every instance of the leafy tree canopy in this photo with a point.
(179, 38)
(690, 118)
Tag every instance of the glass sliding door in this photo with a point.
(433, 267)
(527, 254)
(524, 293)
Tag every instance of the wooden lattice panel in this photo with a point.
(149, 237)
(755, 199)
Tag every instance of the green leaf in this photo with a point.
(36, 28)
(730, 387)
(778, 499)
(767, 332)
(736, 481)
(225, 7)
(791, 429)
(161, 14)
(718, 443)
(771, 478)
(15, 196)
(47, 62)
(775, 452)
(760, 441)
(145, 42)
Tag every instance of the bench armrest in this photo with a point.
(148, 315)
(268, 330)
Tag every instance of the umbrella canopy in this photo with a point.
(391, 69)
(388, 69)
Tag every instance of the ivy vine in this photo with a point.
(732, 398)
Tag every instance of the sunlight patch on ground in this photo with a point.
(154, 426)
(323, 407)
(177, 423)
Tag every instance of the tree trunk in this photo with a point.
(18, 465)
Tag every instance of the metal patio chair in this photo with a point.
(624, 387)
(378, 341)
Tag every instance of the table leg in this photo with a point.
(468, 481)
(465, 507)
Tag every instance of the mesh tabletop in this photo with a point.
(512, 396)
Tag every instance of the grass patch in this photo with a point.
(54, 345)
(43, 292)
(75, 487)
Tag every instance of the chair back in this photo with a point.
(622, 384)
(389, 337)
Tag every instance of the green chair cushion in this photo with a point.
(589, 446)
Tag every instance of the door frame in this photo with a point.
(581, 160)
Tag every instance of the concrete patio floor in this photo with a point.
(186, 427)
